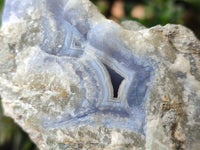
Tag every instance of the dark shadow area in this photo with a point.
(116, 80)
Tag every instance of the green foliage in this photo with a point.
(163, 11)
(185, 12)
(1, 7)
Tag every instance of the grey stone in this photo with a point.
(75, 80)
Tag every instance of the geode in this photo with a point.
(75, 80)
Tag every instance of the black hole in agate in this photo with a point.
(116, 80)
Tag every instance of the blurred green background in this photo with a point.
(147, 12)
(154, 12)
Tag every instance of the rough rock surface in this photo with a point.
(75, 80)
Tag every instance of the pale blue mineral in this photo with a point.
(77, 77)
(118, 79)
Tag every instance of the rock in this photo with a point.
(75, 80)
(132, 25)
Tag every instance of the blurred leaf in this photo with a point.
(1, 8)
(102, 5)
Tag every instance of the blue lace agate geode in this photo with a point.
(113, 81)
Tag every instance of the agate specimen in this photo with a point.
(75, 80)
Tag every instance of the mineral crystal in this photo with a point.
(75, 80)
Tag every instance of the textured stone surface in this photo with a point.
(75, 80)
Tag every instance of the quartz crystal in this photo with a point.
(75, 80)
